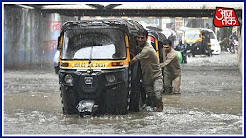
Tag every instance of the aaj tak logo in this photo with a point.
(225, 17)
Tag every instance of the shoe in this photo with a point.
(176, 92)
(148, 109)
(159, 108)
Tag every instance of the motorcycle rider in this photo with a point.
(182, 47)
(232, 37)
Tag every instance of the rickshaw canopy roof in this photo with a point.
(128, 26)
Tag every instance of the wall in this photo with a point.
(30, 36)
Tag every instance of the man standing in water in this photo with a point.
(172, 71)
(151, 71)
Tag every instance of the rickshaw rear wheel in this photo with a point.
(136, 102)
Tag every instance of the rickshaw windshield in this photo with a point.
(192, 35)
(94, 43)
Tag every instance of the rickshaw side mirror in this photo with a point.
(58, 43)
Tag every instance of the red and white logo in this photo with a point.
(225, 17)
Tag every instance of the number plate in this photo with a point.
(88, 80)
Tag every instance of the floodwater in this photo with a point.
(210, 104)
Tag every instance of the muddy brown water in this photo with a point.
(210, 104)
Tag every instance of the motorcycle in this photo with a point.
(233, 46)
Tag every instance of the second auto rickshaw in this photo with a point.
(197, 41)
(156, 39)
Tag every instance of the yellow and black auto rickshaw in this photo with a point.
(197, 41)
(95, 76)
(156, 39)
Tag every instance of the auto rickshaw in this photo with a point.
(95, 76)
(156, 39)
(197, 41)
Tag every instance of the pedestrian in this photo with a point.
(172, 38)
(233, 36)
(151, 72)
(172, 71)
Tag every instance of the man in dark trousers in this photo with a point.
(172, 38)
(151, 71)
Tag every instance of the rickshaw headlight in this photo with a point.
(68, 78)
(110, 78)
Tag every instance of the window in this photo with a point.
(94, 43)
(192, 35)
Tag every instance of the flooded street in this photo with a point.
(210, 103)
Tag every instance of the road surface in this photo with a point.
(210, 104)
